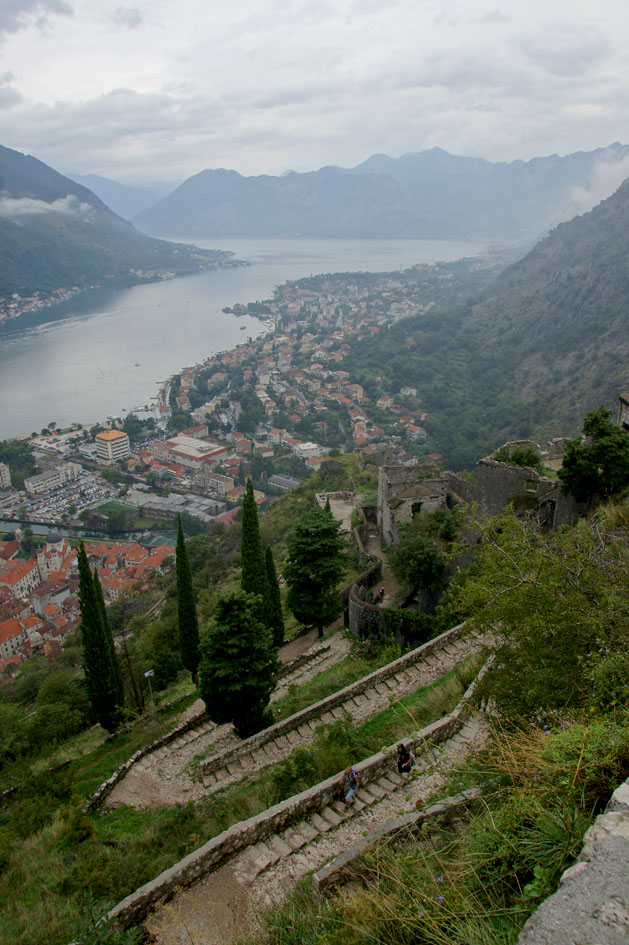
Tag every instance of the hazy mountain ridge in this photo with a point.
(561, 313)
(430, 194)
(55, 233)
(124, 199)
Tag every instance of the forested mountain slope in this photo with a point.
(55, 233)
(548, 341)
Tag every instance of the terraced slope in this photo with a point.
(164, 777)
(228, 902)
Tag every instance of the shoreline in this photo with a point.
(36, 303)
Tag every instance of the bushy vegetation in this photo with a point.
(558, 605)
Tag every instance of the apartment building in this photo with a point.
(112, 445)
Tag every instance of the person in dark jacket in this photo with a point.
(405, 760)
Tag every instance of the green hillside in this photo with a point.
(55, 234)
(547, 342)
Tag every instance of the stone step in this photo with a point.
(340, 807)
(279, 846)
(294, 838)
(387, 784)
(306, 830)
(253, 864)
(373, 790)
(331, 816)
(265, 853)
(319, 823)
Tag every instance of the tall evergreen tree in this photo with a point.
(252, 562)
(102, 674)
(186, 609)
(315, 566)
(116, 675)
(274, 606)
(238, 665)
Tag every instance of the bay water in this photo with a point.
(105, 352)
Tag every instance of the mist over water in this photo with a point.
(105, 353)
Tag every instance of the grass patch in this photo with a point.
(47, 866)
(361, 661)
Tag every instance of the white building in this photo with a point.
(51, 478)
(308, 450)
(5, 476)
(112, 445)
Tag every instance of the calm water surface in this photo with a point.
(106, 352)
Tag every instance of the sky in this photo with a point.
(160, 90)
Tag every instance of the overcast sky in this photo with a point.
(160, 90)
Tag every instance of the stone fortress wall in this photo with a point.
(405, 490)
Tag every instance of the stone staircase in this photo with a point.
(359, 701)
(265, 871)
(303, 837)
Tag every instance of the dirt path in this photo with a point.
(228, 903)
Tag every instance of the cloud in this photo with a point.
(607, 176)
(130, 17)
(493, 16)
(27, 206)
(568, 56)
(8, 95)
(18, 14)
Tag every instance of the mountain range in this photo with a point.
(56, 234)
(431, 194)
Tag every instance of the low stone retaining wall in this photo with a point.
(340, 869)
(107, 786)
(287, 668)
(216, 851)
(318, 709)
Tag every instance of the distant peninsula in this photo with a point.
(58, 239)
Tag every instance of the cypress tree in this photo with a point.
(274, 607)
(115, 674)
(99, 662)
(186, 609)
(252, 562)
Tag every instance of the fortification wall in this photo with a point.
(369, 621)
(592, 902)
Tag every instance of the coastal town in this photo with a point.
(273, 408)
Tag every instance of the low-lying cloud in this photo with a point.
(607, 177)
(14, 208)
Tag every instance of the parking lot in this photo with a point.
(84, 492)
